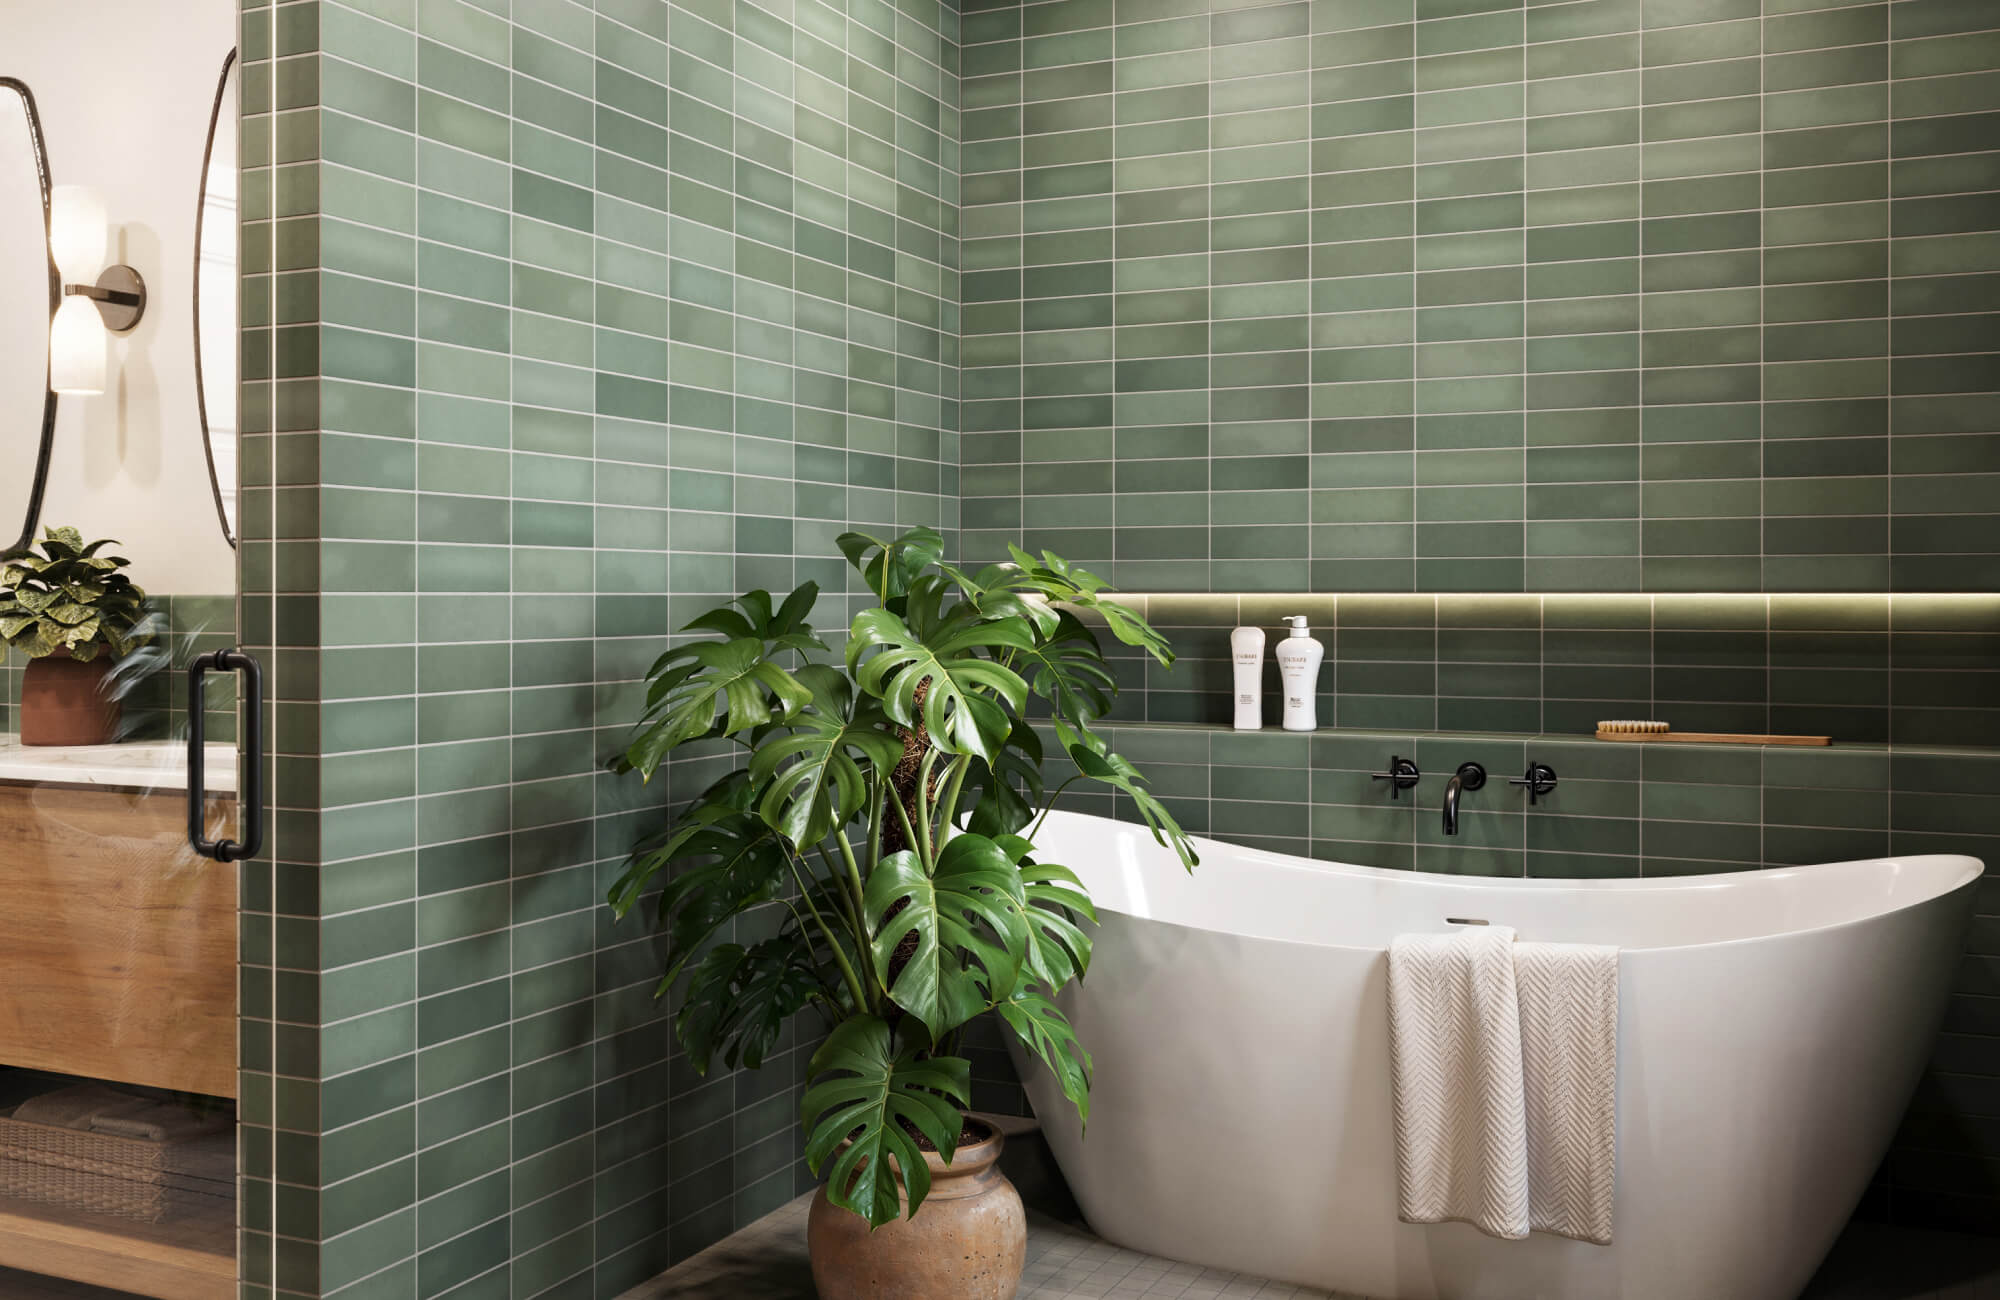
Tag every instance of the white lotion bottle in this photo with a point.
(1246, 649)
(1299, 658)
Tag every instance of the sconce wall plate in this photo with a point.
(119, 295)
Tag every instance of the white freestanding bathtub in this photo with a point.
(1772, 1027)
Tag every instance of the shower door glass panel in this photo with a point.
(119, 944)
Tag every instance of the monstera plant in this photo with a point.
(886, 799)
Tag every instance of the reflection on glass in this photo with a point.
(118, 944)
(24, 309)
(215, 298)
(117, 1022)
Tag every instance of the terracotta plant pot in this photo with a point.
(64, 702)
(968, 1241)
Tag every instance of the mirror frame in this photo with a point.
(39, 144)
(200, 216)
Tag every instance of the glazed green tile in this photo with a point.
(1708, 843)
(1563, 865)
(1788, 845)
(470, 85)
(1574, 391)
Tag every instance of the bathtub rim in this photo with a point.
(1539, 884)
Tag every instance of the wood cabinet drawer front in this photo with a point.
(117, 942)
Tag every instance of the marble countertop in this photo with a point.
(158, 765)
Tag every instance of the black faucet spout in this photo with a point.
(1470, 776)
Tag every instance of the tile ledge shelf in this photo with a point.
(1266, 734)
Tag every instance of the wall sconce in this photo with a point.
(93, 302)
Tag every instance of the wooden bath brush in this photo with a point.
(1630, 730)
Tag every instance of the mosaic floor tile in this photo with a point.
(767, 1261)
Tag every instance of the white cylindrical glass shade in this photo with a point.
(79, 348)
(79, 232)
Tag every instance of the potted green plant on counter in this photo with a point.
(886, 799)
(75, 615)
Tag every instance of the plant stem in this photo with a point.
(854, 985)
(924, 809)
(849, 907)
(954, 783)
(832, 1006)
(854, 903)
(1051, 805)
(903, 816)
(876, 816)
(854, 879)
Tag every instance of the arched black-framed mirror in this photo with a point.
(215, 306)
(27, 278)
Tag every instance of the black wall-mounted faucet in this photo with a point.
(1402, 774)
(1470, 776)
(1540, 779)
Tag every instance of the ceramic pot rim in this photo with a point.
(970, 1157)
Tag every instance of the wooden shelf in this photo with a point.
(185, 1259)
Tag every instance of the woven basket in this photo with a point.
(81, 1170)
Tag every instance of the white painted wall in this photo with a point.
(24, 294)
(125, 88)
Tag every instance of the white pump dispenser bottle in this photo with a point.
(1299, 658)
(1246, 651)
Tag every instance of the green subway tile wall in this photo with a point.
(563, 322)
(1484, 295)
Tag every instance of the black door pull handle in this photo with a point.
(250, 796)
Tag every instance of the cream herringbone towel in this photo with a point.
(1569, 1069)
(1455, 1049)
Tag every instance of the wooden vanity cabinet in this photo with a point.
(117, 942)
(117, 962)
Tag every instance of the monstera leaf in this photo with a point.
(971, 934)
(1076, 586)
(996, 592)
(1116, 772)
(812, 783)
(888, 567)
(958, 707)
(1058, 948)
(1067, 669)
(1013, 587)
(786, 629)
(738, 1000)
(1007, 783)
(1046, 1032)
(738, 862)
(861, 1090)
(711, 688)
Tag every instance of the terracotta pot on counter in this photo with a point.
(67, 702)
(968, 1240)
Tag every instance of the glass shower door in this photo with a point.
(120, 835)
